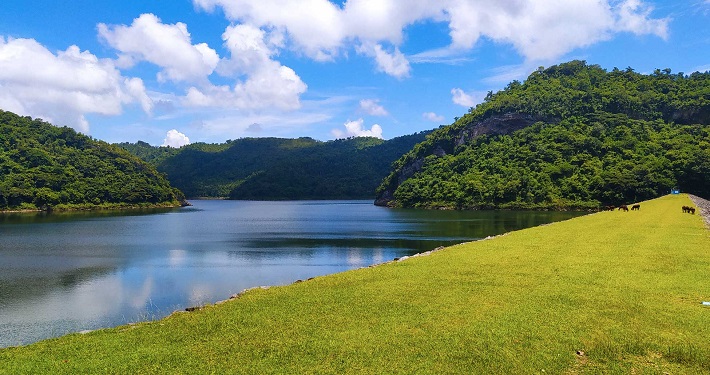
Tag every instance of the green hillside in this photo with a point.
(47, 167)
(277, 168)
(570, 136)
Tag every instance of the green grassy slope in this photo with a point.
(622, 289)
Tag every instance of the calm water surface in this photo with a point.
(62, 273)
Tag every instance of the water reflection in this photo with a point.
(69, 272)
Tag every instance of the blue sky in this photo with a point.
(172, 72)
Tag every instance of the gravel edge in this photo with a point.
(704, 207)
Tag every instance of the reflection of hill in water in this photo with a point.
(42, 282)
(336, 244)
(64, 216)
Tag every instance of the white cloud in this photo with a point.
(272, 86)
(372, 107)
(538, 30)
(63, 87)
(547, 30)
(355, 129)
(167, 46)
(266, 83)
(249, 48)
(433, 117)
(634, 17)
(394, 64)
(175, 139)
(315, 25)
(464, 99)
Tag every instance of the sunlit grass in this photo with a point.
(611, 292)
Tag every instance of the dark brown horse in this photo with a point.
(636, 207)
(624, 207)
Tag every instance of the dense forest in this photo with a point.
(47, 167)
(278, 168)
(572, 136)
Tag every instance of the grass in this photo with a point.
(611, 292)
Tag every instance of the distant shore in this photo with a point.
(110, 207)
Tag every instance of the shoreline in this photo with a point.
(118, 207)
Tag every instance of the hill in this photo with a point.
(47, 167)
(278, 168)
(570, 136)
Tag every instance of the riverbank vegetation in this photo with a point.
(610, 292)
(570, 136)
(44, 167)
(278, 168)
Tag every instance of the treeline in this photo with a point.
(597, 138)
(277, 168)
(47, 167)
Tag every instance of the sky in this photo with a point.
(184, 71)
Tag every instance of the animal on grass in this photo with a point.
(689, 210)
(636, 207)
(623, 207)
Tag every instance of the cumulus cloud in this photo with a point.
(167, 46)
(634, 16)
(548, 30)
(372, 107)
(394, 63)
(263, 83)
(65, 86)
(315, 25)
(355, 129)
(175, 139)
(433, 117)
(464, 99)
(537, 30)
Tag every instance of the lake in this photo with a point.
(68, 272)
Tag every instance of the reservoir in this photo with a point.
(69, 272)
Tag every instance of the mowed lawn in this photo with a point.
(611, 292)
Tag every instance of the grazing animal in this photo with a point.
(689, 210)
(692, 210)
(685, 209)
(624, 208)
(636, 207)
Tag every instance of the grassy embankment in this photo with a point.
(612, 292)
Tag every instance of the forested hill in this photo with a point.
(570, 136)
(277, 168)
(47, 167)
